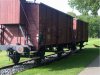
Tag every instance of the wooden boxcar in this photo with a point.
(49, 26)
(40, 26)
(80, 30)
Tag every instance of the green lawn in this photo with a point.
(68, 66)
(4, 59)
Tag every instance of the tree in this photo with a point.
(85, 6)
(94, 25)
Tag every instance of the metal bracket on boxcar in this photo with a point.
(18, 48)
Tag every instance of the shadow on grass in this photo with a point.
(95, 63)
(70, 65)
(77, 60)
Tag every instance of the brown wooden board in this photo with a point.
(48, 27)
(54, 26)
(42, 23)
(70, 29)
(85, 32)
(62, 29)
(32, 22)
(79, 33)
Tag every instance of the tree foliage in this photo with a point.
(85, 6)
(94, 25)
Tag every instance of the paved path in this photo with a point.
(93, 68)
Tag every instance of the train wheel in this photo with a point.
(69, 46)
(81, 45)
(41, 54)
(73, 47)
(59, 54)
(15, 56)
(59, 51)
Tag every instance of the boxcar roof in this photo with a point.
(49, 7)
(55, 9)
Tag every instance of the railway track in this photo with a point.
(12, 69)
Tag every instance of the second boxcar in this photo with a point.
(80, 29)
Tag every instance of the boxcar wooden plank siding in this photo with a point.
(48, 26)
(80, 30)
(56, 25)
(69, 28)
(62, 29)
(85, 32)
(43, 22)
(10, 11)
(32, 13)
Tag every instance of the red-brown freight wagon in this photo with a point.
(40, 27)
(80, 31)
(52, 26)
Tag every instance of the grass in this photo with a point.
(5, 60)
(68, 66)
(92, 41)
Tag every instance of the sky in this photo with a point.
(61, 5)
